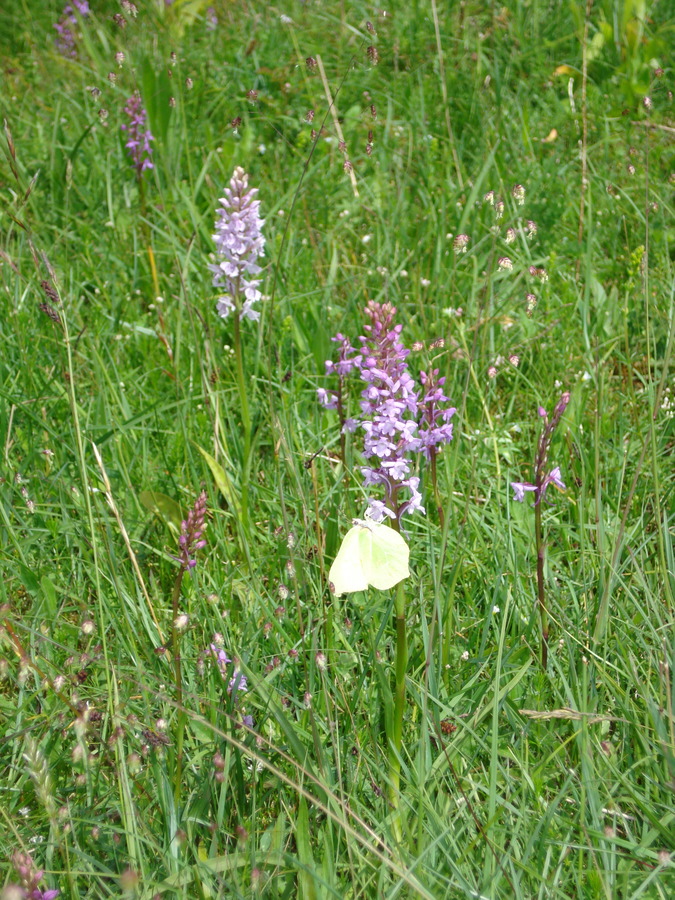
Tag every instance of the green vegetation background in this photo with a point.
(575, 801)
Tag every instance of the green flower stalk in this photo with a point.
(542, 481)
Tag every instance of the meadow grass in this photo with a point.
(125, 774)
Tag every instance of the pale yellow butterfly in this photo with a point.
(371, 555)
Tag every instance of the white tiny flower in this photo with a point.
(460, 243)
(518, 194)
(181, 621)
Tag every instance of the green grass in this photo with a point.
(515, 782)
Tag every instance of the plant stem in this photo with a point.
(437, 495)
(396, 736)
(584, 131)
(178, 676)
(541, 596)
(245, 417)
(342, 419)
(148, 237)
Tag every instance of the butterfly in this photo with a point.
(371, 555)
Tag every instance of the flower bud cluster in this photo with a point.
(31, 877)
(191, 533)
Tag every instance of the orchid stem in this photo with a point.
(245, 418)
(541, 595)
(178, 676)
(437, 495)
(396, 736)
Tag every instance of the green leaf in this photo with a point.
(29, 579)
(49, 592)
(163, 507)
(305, 879)
(223, 481)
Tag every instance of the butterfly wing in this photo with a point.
(346, 574)
(384, 556)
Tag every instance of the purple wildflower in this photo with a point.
(31, 877)
(66, 27)
(240, 243)
(327, 399)
(519, 489)
(191, 533)
(542, 478)
(221, 658)
(395, 420)
(140, 137)
(435, 425)
(237, 682)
